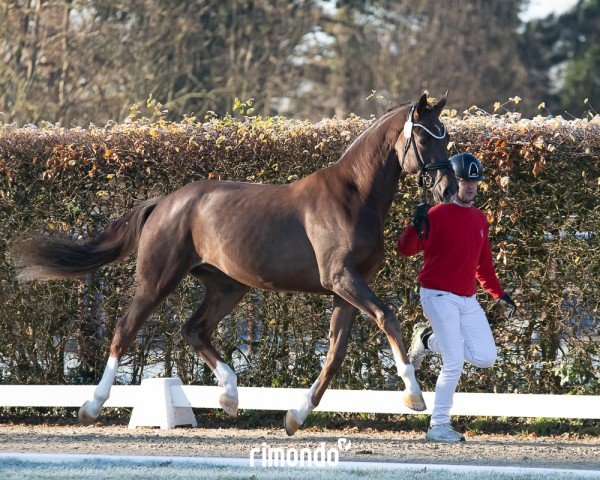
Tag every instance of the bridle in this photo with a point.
(426, 179)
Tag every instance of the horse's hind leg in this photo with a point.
(158, 272)
(222, 295)
(339, 330)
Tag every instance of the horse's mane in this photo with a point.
(365, 141)
(390, 112)
(397, 107)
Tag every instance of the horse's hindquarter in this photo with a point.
(254, 233)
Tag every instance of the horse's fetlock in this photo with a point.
(101, 397)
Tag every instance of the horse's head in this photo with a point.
(422, 149)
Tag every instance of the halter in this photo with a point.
(426, 180)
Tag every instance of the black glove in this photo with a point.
(421, 220)
(509, 306)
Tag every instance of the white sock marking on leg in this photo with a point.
(306, 405)
(226, 378)
(102, 391)
(407, 372)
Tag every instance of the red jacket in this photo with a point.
(456, 253)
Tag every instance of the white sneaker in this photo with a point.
(417, 350)
(443, 433)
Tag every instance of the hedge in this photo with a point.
(540, 196)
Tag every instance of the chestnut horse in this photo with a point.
(322, 234)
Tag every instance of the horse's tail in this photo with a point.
(44, 257)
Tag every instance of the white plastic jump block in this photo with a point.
(155, 407)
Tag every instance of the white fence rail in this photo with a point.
(167, 403)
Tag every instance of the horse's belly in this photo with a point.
(274, 254)
(273, 270)
(292, 279)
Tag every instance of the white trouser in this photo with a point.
(460, 332)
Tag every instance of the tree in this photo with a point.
(197, 55)
(582, 78)
(52, 67)
(565, 56)
(582, 81)
(400, 48)
(80, 61)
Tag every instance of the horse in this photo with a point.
(321, 234)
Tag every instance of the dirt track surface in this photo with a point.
(406, 447)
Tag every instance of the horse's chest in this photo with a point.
(368, 242)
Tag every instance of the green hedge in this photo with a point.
(541, 198)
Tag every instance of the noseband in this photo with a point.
(426, 179)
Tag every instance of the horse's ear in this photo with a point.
(441, 103)
(421, 104)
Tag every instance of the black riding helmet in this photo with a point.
(467, 167)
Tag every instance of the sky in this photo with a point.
(542, 8)
(535, 9)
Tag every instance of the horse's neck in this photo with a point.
(373, 167)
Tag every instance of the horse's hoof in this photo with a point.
(415, 402)
(229, 404)
(84, 417)
(291, 423)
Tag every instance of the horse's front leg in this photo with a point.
(339, 329)
(346, 282)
